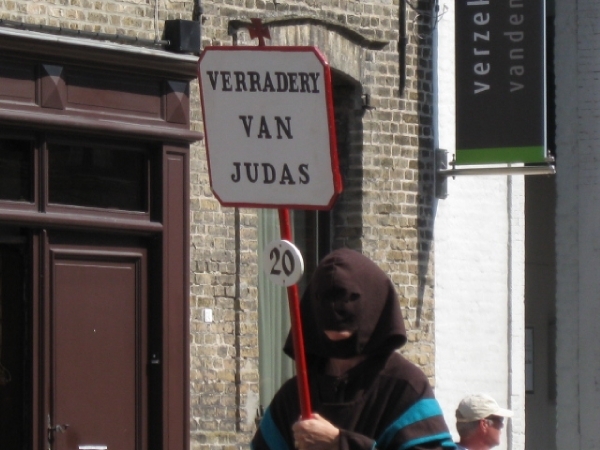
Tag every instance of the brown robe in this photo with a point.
(385, 402)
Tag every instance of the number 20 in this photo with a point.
(281, 262)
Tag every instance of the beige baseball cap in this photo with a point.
(479, 406)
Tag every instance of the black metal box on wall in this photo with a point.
(183, 35)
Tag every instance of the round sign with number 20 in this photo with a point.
(283, 263)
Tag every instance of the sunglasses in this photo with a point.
(496, 422)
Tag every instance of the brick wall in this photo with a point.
(386, 210)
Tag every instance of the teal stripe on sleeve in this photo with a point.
(449, 443)
(271, 433)
(423, 409)
(446, 439)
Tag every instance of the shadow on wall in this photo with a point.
(347, 212)
(422, 19)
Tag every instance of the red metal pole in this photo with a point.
(296, 322)
(257, 29)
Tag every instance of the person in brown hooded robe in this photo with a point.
(364, 394)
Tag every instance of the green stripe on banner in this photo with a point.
(526, 155)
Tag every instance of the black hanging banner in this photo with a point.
(500, 82)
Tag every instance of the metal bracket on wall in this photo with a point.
(442, 172)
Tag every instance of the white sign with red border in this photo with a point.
(269, 127)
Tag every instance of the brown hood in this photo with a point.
(348, 291)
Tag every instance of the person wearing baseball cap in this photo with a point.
(479, 421)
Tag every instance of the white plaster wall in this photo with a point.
(479, 272)
(578, 223)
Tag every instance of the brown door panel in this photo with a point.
(97, 335)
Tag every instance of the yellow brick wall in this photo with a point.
(387, 214)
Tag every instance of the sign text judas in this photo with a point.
(280, 127)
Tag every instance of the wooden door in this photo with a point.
(96, 304)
